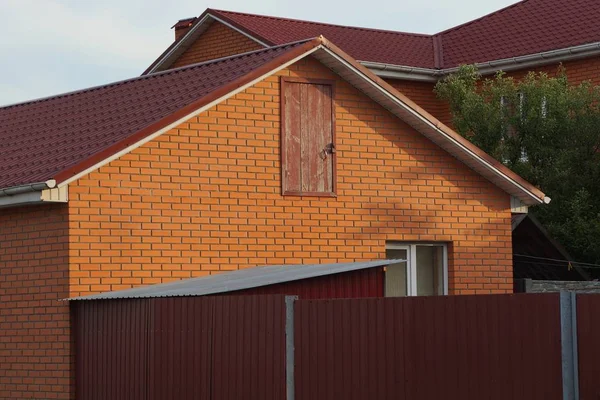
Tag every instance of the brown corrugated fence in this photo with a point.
(588, 340)
(494, 347)
(181, 348)
(460, 347)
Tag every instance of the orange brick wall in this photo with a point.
(205, 197)
(216, 42)
(34, 325)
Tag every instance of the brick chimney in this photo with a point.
(183, 26)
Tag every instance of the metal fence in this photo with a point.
(181, 348)
(542, 346)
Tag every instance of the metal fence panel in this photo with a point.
(460, 347)
(111, 349)
(181, 348)
(588, 341)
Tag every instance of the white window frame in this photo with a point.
(411, 263)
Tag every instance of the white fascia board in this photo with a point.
(185, 118)
(425, 121)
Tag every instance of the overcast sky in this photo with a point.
(54, 46)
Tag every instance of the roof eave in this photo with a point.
(359, 76)
(430, 127)
(406, 72)
(33, 193)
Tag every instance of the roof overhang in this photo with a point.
(404, 72)
(34, 193)
(466, 152)
(347, 68)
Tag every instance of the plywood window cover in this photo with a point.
(331, 83)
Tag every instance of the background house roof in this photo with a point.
(361, 43)
(238, 280)
(527, 27)
(524, 28)
(43, 139)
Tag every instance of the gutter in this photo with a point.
(33, 193)
(403, 72)
(485, 68)
(28, 188)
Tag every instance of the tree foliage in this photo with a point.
(548, 132)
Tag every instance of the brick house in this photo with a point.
(289, 153)
(528, 35)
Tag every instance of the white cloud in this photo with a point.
(53, 46)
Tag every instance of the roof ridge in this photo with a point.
(115, 84)
(457, 27)
(425, 35)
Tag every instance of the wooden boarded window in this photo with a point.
(307, 137)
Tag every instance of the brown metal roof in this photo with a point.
(525, 28)
(60, 136)
(63, 136)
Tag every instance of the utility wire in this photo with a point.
(589, 265)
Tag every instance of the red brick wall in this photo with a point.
(216, 42)
(422, 93)
(577, 71)
(34, 325)
(206, 197)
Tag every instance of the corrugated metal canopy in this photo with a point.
(238, 280)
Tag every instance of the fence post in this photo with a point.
(289, 347)
(568, 339)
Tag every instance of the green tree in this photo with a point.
(548, 132)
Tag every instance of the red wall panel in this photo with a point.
(354, 284)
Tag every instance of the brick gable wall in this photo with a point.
(206, 197)
(217, 41)
(34, 326)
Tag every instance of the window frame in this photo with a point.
(411, 264)
(283, 137)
